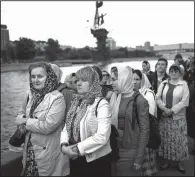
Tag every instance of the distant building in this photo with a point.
(40, 45)
(173, 48)
(4, 36)
(63, 47)
(147, 46)
(130, 49)
(170, 47)
(140, 47)
(111, 43)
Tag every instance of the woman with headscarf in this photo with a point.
(172, 98)
(142, 83)
(133, 138)
(85, 137)
(68, 95)
(44, 115)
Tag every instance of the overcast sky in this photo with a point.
(130, 23)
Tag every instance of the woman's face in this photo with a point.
(114, 81)
(38, 77)
(136, 81)
(174, 73)
(82, 86)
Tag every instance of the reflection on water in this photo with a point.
(14, 86)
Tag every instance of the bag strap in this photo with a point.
(97, 106)
(27, 99)
(164, 84)
(136, 112)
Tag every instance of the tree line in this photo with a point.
(24, 49)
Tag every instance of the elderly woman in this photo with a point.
(142, 83)
(85, 137)
(173, 98)
(133, 138)
(44, 114)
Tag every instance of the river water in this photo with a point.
(15, 84)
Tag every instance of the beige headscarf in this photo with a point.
(57, 71)
(125, 89)
(145, 84)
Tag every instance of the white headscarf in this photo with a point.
(57, 71)
(125, 89)
(149, 96)
(145, 84)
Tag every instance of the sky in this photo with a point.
(130, 23)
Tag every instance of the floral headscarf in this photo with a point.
(80, 102)
(51, 84)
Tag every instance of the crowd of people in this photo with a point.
(70, 125)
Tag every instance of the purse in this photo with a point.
(18, 137)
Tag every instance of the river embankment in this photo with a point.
(9, 67)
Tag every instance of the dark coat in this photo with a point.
(138, 137)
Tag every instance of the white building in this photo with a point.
(40, 45)
(111, 43)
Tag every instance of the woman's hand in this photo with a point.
(68, 150)
(168, 112)
(20, 120)
(136, 166)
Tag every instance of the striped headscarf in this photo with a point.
(80, 102)
(51, 84)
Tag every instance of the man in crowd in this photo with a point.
(160, 74)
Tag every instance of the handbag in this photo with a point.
(154, 134)
(18, 138)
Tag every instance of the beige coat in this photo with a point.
(180, 98)
(45, 129)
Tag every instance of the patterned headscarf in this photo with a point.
(51, 84)
(80, 102)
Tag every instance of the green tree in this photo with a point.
(84, 53)
(52, 50)
(25, 49)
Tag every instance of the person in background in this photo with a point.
(62, 88)
(187, 64)
(142, 83)
(106, 78)
(133, 138)
(44, 114)
(106, 89)
(71, 82)
(57, 71)
(179, 61)
(160, 73)
(172, 101)
(146, 70)
(189, 77)
(85, 137)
